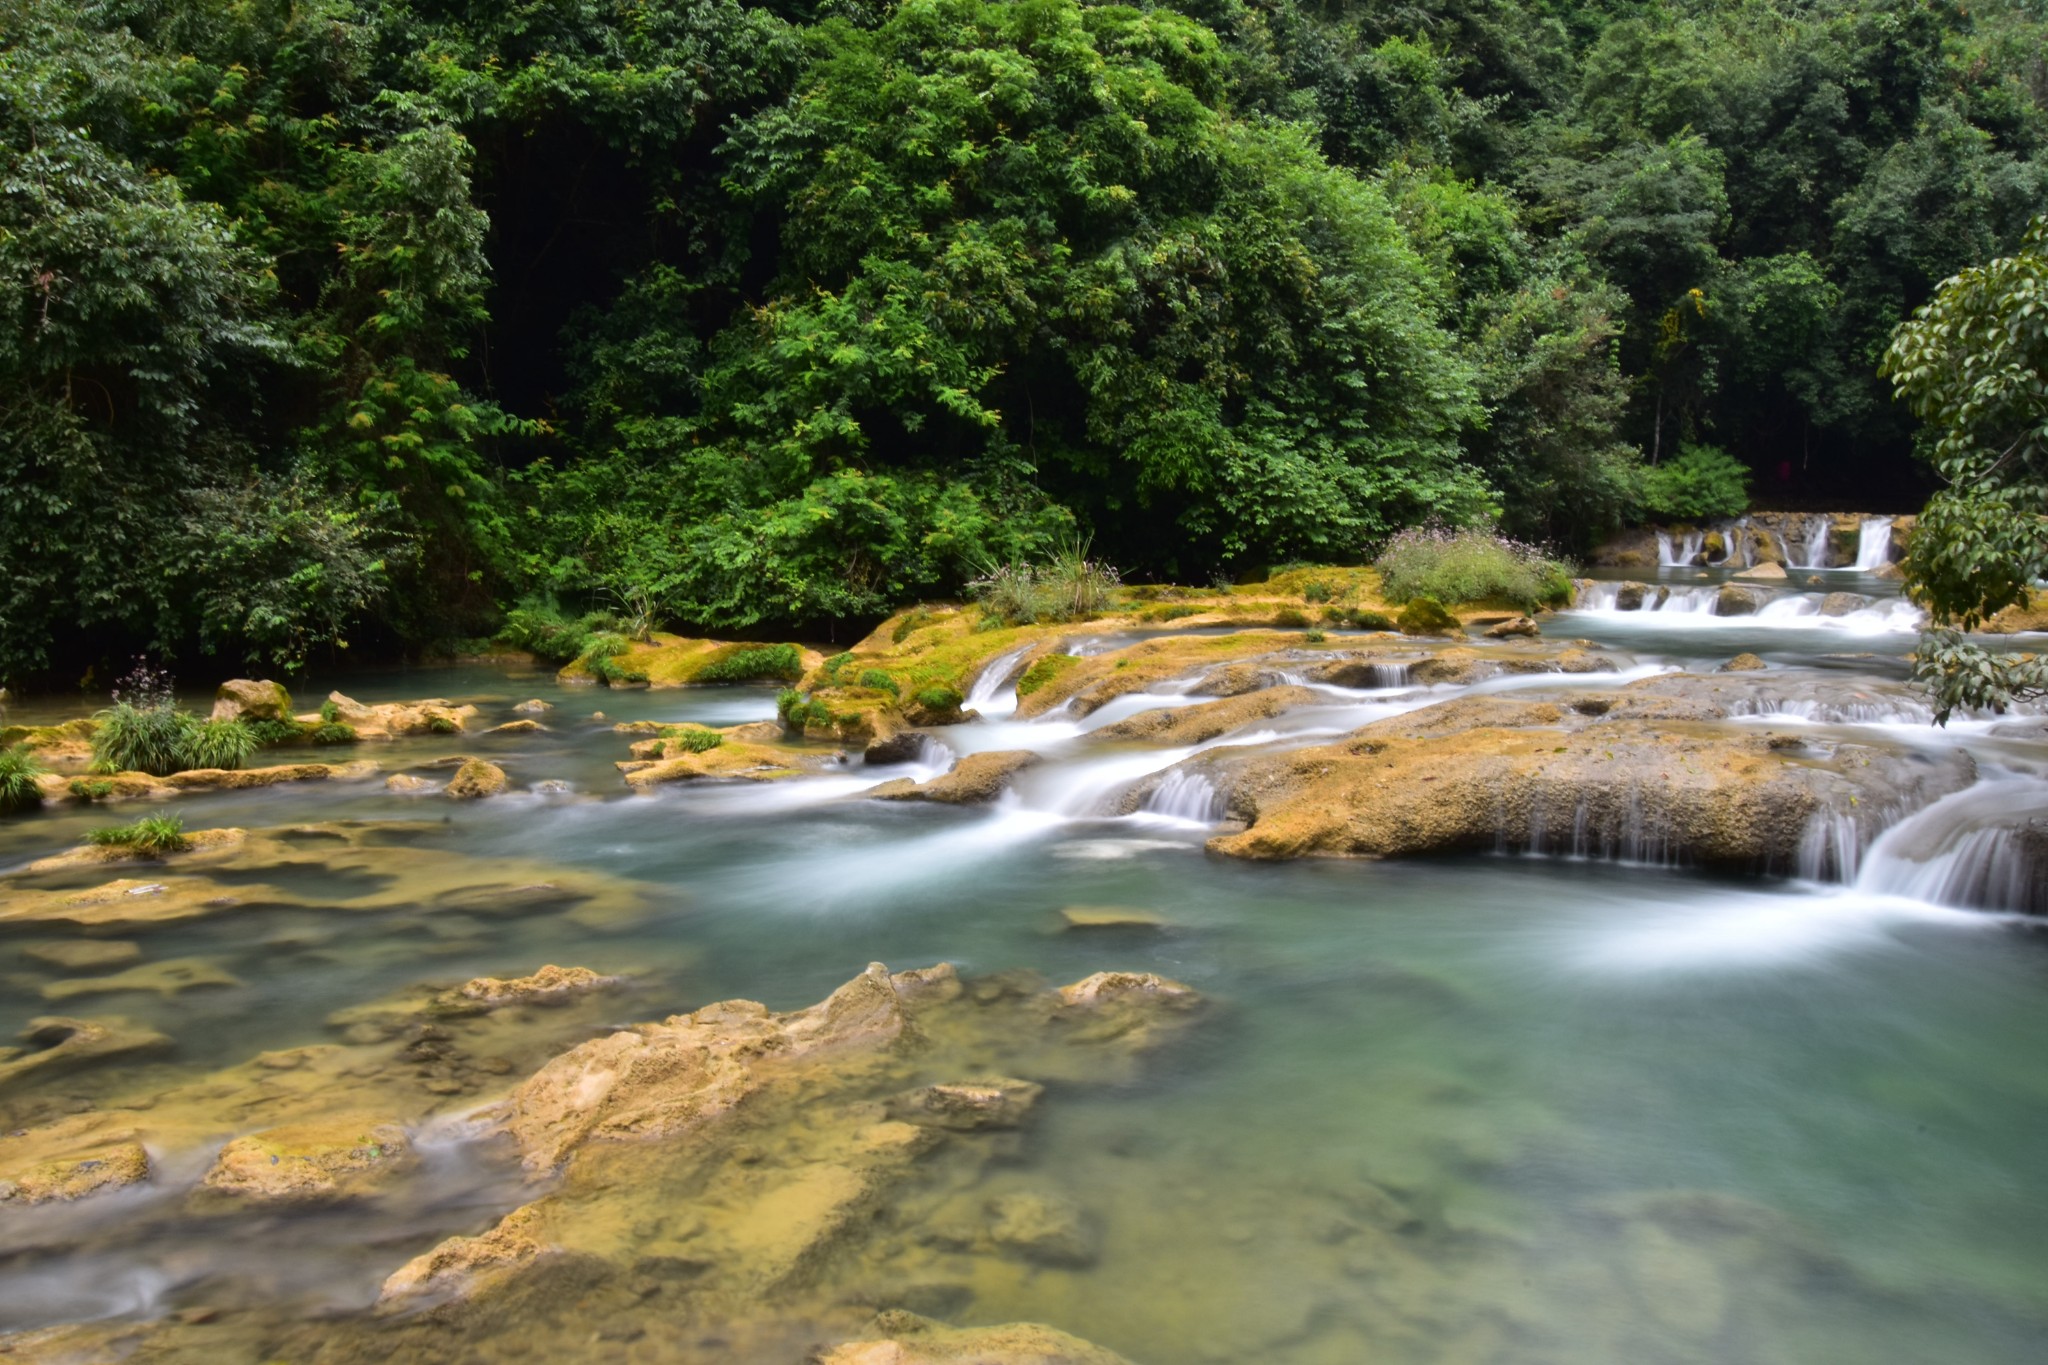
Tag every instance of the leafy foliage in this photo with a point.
(769, 663)
(1974, 364)
(152, 836)
(19, 769)
(1697, 484)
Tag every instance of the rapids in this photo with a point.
(1569, 1108)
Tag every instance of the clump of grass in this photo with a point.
(1043, 672)
(274, 732)
(1314, 637)
(939, 698)
(217, 744)
(799, 711)
(330, 712)
(19, 769)
(1464, 565)
(877, 680)
(146, 739)
(338, 732)
(153, 836)
(768, 663)
(1290, 619)
(90, 789)
(691, 741)
(837, 664)
(1068, 587)
(1358, 618)
(1316, 590)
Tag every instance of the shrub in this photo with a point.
(336, 732)
(691, 741)
(768, 663)
(1426, 616)
(799, 711)
(90, 789)
(19, 769)
(1289, 618)
(1466, 565)
(147, 738)
(272, 732)
(539, 627)
(1699, 482)
(154, 835)
(879, 681)
(217, 744)
(1316, 590)
(939, 698)
(330, 712)
(1044, 671)
(1068, 587)
(1314, 637)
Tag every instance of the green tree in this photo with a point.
(1973, 363)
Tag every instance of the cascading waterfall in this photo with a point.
(1184, 795)
(1813, 549)
(991, 694)
(1391, 675)
(1874, 543)
(1682, 552)
(1985, 848)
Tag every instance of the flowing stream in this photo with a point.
(1624, 1112)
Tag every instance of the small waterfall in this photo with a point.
(1813, 550)
(1185, 796)
(991, 695)
(1874, 543)
(1831, 847)
(1391, 675)
(1985, 848)
(1684, 551)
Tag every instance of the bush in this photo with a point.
(939, 698)
(1698, 483)
(799, 711)
(155, 835)
(336, 732)
(1315, 590)
(1068, 587)
(90, 789)
(1314, 637)
(691, 741)
(217, 744)
(539, 627)
(768, 663)
(146, 739)
(1426, 616)
(1289, 618)
(19, 770)
(273, 732)
(876, 680)
(1465, 565)
(330, 712)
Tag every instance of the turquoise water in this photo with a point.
(1485, 1109)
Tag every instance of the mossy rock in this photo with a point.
(1426, 616)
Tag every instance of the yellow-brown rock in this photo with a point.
(1177, 726)
(316, 1162)
(477, 779)
(975, 779)
(548, 985)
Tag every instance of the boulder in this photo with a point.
(1890, 573)
(901, 1338)
(1043, 1228)
(534, 707)
(518, 727)
(464, 1265)
(308, 1163)
(1629, 596)
(408, 785)
(1744, 663)
(1842, 603)
(967, 1106)
(1520, 626)
(247, 699)
(1768, 571)
(975, 779)
(68, 1160)
(476, 779)
(903, 746)
(1736, 600)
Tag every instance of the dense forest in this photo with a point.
(361, 323)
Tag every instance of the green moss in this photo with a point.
(1044, 671)
(758, 663)
(799, 711)
(1426, 616)
(876, 680)
(334, 732)
(270, 733)
(1169, 613)
(940, 698)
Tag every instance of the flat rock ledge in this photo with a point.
(974, 780)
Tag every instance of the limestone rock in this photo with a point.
(1110, 917)
(903, 746)
(968, 1106)
(975, 779)
(534, 707)
(1744, 663)
(68, 1160)
(549, 984)
(1842, 603)
(1891, 573)
(392, 719)
(1520, 626)
(905, 1339)
(246, 699)
(407, 784)
(84, 955)
(1629, 596)
(462, 1265)
(244, 779)
(317, 1162)
(1736, 600)
(518, 727)
(1764, 573)
(1179, 726)
(476, 779)
(134, 901)
(1043, 1228)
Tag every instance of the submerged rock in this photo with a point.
(975, 779)
(317, 1162)
(60, 1043)
(1043, 1228)
(169, 978)
(408, 785)
(476, 779)
(534, 707)
(518, 727)
(69, 1159)
(84, 955)
(549, 984)
(903, 1338)
(968, 1106)
(1110, 917)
